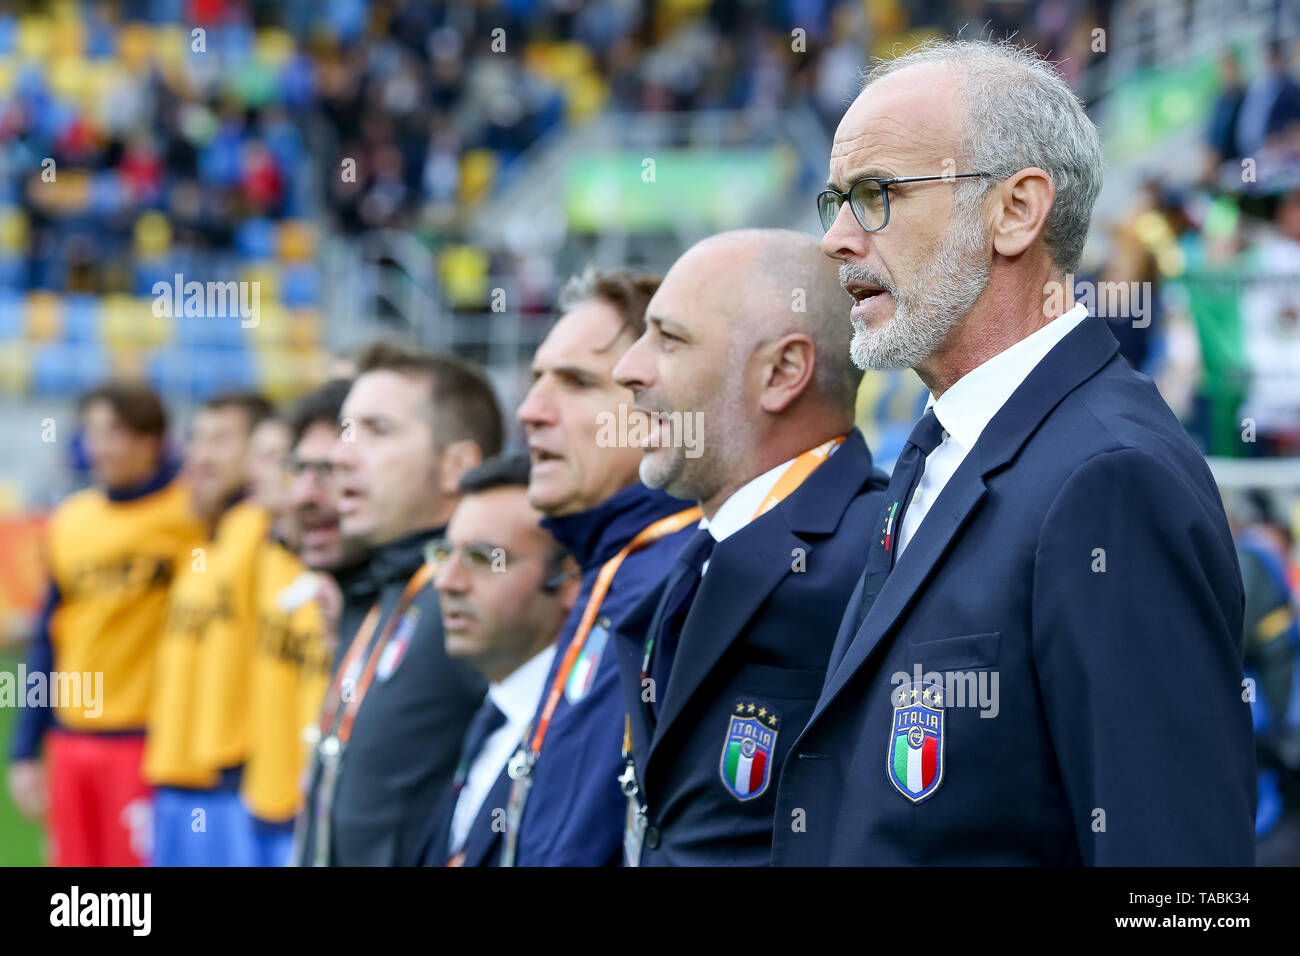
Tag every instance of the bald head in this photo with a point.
(762, 284)
(747, 333)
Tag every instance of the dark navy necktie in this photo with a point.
(485, 722)
(925, 438)
(684, 582)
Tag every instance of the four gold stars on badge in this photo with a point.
(742, 708)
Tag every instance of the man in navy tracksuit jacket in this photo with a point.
(584, 478)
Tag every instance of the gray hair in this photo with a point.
(1020, 112)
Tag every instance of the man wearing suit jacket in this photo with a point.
(505, 593)
(721, 664)
(1042, 662)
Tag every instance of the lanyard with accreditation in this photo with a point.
(343, 700)
(634, 824)
(521, 764)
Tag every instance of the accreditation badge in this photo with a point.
(396, 647)
(634, 827)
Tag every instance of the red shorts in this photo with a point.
(101, 809)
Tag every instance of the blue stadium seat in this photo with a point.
(65, 371)
(255, 239)
(81, 314)
(12, 325)
(13, 272)
(300, 285)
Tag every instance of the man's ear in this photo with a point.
(457, 458)
(1022, 204)
(788, 364)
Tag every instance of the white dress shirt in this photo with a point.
(517, 697)
(738, 510)
(970, 404)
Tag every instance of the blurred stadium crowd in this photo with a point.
(235, 139)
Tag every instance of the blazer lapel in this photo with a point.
(945, 518)
(747, 567)
(742, 572)
(1075, 359)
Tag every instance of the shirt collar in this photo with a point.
(738, 510)
(399, 559)
(967, 407)
(517, 694)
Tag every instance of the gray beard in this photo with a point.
(924, 315)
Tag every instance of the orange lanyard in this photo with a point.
(790, 479)
(648, 535)
(330, 712)
(794, 476)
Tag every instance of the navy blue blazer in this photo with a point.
(1076, 590)
(749, 665)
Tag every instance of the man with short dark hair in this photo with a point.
(391, 726)
(505, 591)
(110, 552)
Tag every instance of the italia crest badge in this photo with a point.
(584, 668)
(915, 759)
(396, 647)
(749, 748)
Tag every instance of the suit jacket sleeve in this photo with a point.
(1139, 666)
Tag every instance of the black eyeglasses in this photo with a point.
(321, 470)
(478, 555)
(869, 199)
(482, 557)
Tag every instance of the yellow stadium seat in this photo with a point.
(284, 375)
(69, 77)
(463, 271)
(267, 276)
(153, 235)
(304, 329)
(296, 241)
(171, 49)
(478, 167)
(586, 96)
(44, 317)
(35, 37)
(8, 71)
(274, 47)
(136, 43)
(15, 367)
(156, 330)
(128, 321)
(69, 36)
(272, 329)
(13, 229)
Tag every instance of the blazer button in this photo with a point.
(652, 837)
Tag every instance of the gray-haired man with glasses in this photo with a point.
(1041, 663)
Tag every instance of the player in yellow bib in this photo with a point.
(196, 725)
(290, 663)
(109, 552)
